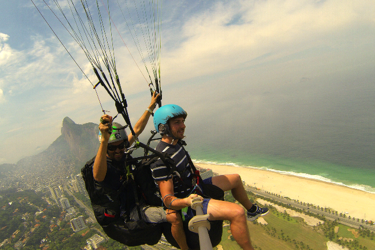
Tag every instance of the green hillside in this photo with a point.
(281, 231)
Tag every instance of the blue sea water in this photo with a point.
(324, 131)
(353, 177)
(322, 128)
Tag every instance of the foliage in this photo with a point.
(16, 208)
(44, 225)
(288, 232)
(229, 197)
(36, 223)
(37, 235)
(83, 198)
(115, 245)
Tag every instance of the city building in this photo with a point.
(64, 203)
(75, 186)
(53, 195)
(80, 184)
(77, 224)
(95, 241)
(18, 245)
(57, 192)
(61, 189)
(71, 211)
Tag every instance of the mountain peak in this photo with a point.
(76, 145)
(68, 121)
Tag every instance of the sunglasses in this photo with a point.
(114, 147)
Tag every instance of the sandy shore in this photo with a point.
(356, 203)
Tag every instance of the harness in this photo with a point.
(196, 178)
(105, 201)
(127, 225)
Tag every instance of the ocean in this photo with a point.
(358, 176)
(350, 176)
(324, 130)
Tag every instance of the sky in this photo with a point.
(241, 69)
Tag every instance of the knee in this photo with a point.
(238, 213)
(237, 178)
(174, 218)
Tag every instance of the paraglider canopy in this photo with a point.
(90, 25)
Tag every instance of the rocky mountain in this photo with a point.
(76, 145)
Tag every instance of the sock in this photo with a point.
(253, 208)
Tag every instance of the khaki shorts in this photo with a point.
(150, 214)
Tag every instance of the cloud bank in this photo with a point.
(263, 66)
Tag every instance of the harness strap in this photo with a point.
(194, 170)
(136, 199)
(135, 193)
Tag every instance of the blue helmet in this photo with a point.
(166, 112)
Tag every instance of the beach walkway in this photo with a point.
(310, 209)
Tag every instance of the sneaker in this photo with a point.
(261, 211)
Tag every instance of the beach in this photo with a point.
(353, 202)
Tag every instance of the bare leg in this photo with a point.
(177, 228)
(223, 210)
(234, 183)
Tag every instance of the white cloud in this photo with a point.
(5, 50)
(274, 28)
(81, 85)
(3, 160)
(45, 65)
(1, 96)
(239, 46)
(3, 37)
(14, 130)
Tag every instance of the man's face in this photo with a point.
(116, 150)
(177, 127)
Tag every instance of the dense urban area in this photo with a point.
(44, 205)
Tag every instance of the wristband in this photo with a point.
(150, 111)
(171, 202)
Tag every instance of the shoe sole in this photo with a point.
(265, 213)
(253, 218)
(257, 216)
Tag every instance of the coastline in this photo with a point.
(355, 203)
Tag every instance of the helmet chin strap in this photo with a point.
(172, 136)
(164, 130)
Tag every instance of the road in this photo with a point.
(88, 210)
(293, 203)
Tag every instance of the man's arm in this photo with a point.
(171, 201)
(142, 122)
(100, 163)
